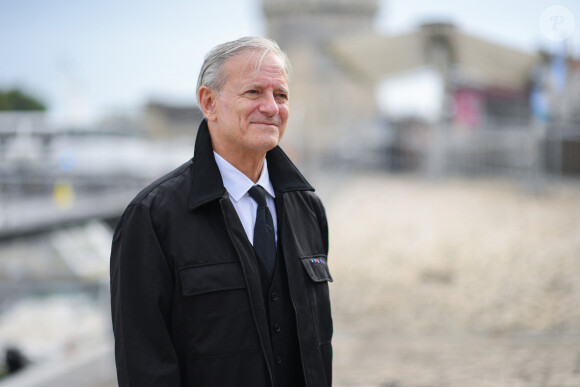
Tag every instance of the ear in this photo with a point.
(207, 102)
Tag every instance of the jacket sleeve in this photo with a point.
(141, 296)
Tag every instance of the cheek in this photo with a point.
(249, 110)
(284, 112)
(281, 132)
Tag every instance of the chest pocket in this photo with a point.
(217, 309)
(319, 275)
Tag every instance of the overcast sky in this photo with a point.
(90, 58)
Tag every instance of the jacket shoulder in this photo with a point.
(314, 200)
(170, 182)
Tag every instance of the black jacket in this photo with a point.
(186, 297)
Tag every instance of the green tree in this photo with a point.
(18, 100)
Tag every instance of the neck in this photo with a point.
(249, 162)
(249, 166)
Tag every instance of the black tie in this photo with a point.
(264, 238)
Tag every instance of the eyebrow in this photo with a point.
(259, 86)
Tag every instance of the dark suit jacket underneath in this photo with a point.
(187, 302)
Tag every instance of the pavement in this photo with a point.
(374, 360)
(454, 283)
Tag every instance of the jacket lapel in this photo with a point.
(208, 186)
(207, 183)
(284, 175)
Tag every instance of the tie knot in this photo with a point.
(258, 194)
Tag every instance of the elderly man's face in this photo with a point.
(252, 109)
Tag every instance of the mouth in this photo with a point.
(265, 123)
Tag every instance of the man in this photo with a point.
(218, 269)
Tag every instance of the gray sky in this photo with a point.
(89, 58)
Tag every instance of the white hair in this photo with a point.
(211, 75)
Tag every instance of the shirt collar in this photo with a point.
(236, 183)
(206, 182)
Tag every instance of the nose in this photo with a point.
(269, 106)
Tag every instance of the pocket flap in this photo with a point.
(317, 268)
(214, 277)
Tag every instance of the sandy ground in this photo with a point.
(454, 283)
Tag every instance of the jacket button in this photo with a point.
(279, 359)
(274, 296)
(277, 327)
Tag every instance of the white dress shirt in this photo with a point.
(237, 184)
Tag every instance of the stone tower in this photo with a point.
(331, 104)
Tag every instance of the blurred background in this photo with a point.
(443, 137)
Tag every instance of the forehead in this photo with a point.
(249, 66)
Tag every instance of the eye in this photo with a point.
(282, 96)
(253, 92)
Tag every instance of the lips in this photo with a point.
(266, 123)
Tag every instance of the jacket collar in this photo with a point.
(207, 184)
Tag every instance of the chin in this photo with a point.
(266, 144)
(271, 145)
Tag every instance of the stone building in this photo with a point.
(164, 120)
(331, 101)
(339, 60)
(491, 78)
